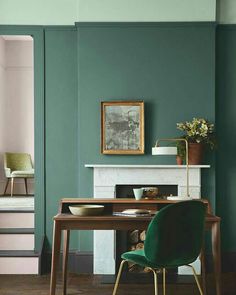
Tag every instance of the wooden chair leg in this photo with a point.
(12, 186)
(26, 187)
(118, 277)
(5, 190)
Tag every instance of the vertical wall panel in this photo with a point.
(61, 134)
(226, 126)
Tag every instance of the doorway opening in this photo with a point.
(16, 119)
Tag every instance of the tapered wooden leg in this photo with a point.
(66, 235)
(5, 190)
(55, 256)
(12, 186)
(26, 186)
(203, 271)
(216, 255)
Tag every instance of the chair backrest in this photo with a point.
(18, 161)
(174, 236)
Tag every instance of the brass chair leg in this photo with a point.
(5, 190)
(12, 186)
(155, 281)
(26, 187)
(118, 277)
(196, 279)
(164, 281)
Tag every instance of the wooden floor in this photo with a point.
(91, 285)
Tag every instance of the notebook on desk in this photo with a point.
(135, 212)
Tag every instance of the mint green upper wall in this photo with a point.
(226, 11)
(151, 10)
(34, 12)
(67, 12)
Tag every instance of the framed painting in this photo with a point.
(122, 127)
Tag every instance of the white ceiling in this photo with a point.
(17, 37)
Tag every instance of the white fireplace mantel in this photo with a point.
(145, 166)
(105, 179)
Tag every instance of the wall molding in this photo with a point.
(146, 24)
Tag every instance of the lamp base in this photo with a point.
(179, 198)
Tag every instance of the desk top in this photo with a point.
(119, 204)
(111, 222)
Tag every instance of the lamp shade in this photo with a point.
(164, 150)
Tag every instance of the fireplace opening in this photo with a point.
(134, 239)
(126, 191)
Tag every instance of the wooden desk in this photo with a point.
(65, 222)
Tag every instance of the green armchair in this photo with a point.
(17, 165)
(173, 238)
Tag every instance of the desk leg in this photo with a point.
(216, 255)
(203, 270)
(55, 256)
(66, 234)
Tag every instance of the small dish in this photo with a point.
(150, 192)
(86, 210)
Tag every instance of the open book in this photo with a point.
(135, 212)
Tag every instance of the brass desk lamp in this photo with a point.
(167, 150)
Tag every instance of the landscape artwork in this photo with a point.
(123, 127)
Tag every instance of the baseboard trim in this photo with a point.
(82, 262)
(78, 262)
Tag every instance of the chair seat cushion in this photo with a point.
(26, 173)
(138, 257)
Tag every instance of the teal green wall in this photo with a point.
(226, 125)
(170, 66)
(61, 119)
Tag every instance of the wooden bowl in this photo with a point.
(150, 192)
(86, 210)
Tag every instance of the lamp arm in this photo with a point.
(186, 155)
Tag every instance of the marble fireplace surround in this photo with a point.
(105, 179)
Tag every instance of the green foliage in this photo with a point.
(181, 149)
(198, 130)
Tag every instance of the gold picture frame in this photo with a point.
(122, 127)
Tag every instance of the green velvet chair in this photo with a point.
(17, 165)
(173, 238)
